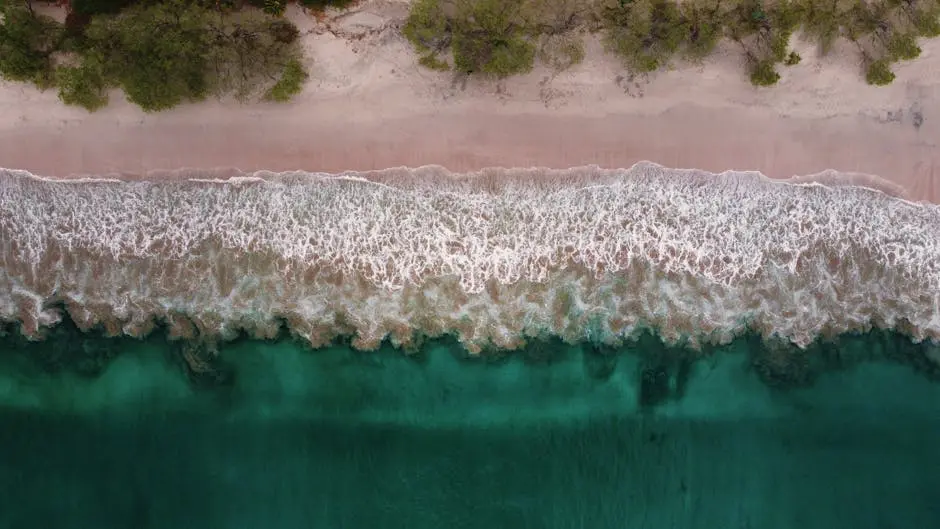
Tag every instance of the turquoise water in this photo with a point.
(102, 433)
(113, 433)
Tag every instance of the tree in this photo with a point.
(429, 31)
(168, 53)
(822, 21)
(646, 33)
(879, 73)
(763, 30)
(27, 42)
(561, 52)
(490, 36)
(884, 33)
(704, 22)
(763, 73)
(290, 84)
(84, 85)
(274, 7)
(493, 37)
(157, 53)
(922, 17)
(252, 52)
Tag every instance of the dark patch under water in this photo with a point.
(117, 433)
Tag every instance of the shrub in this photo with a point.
(793, 59)
(489, 36)
(704, 25)
(763, 30)
(922, 16)
(84, 86)
(496, 55)
(290, 84)
(763, 73)
(431, 62)
(879, 73)
(167, 53)
(902, 47)
(251, 53)
(822, 21)
(427, 28)
(561, 52)
(646, 33)
(492, 37)
(274, 7)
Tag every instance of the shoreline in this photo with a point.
(789, 149)
(368, 106)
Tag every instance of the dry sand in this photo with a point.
(368, 105)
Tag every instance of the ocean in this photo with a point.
(642, 348)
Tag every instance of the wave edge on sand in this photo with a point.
(492, 256)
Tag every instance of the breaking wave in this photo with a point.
(491, 257)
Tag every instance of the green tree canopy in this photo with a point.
(27, 42)
(167, 53)
(157, 53)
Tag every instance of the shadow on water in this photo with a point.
(119, 433)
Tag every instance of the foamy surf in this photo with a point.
(492, 257)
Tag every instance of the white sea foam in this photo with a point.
(583, 253)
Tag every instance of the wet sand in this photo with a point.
(368, 105)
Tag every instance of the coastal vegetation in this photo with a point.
(160, 54)
(499, 37)
(165, 52)
(495, 37)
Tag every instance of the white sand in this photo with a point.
(368, 105)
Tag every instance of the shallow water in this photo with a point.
(587, 254)
(553, 436)
(792, 380)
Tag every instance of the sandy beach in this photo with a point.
(369, 105)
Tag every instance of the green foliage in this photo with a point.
(431, 62)
(158, 54)
(177, 51)
(922, 17)
(492, 37)
(27, 42)
(84, 86)
(495, 36)
(879, 73)
(763, 29)
(646, 33)
(489, 36)
(822, 21)
(705, 27)
(902, 47)
(561, 52)
(427, 28)
(887, 31)
(501, 56)
(275, 7)
(290, 84)
(763, 73)
(250, 53)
